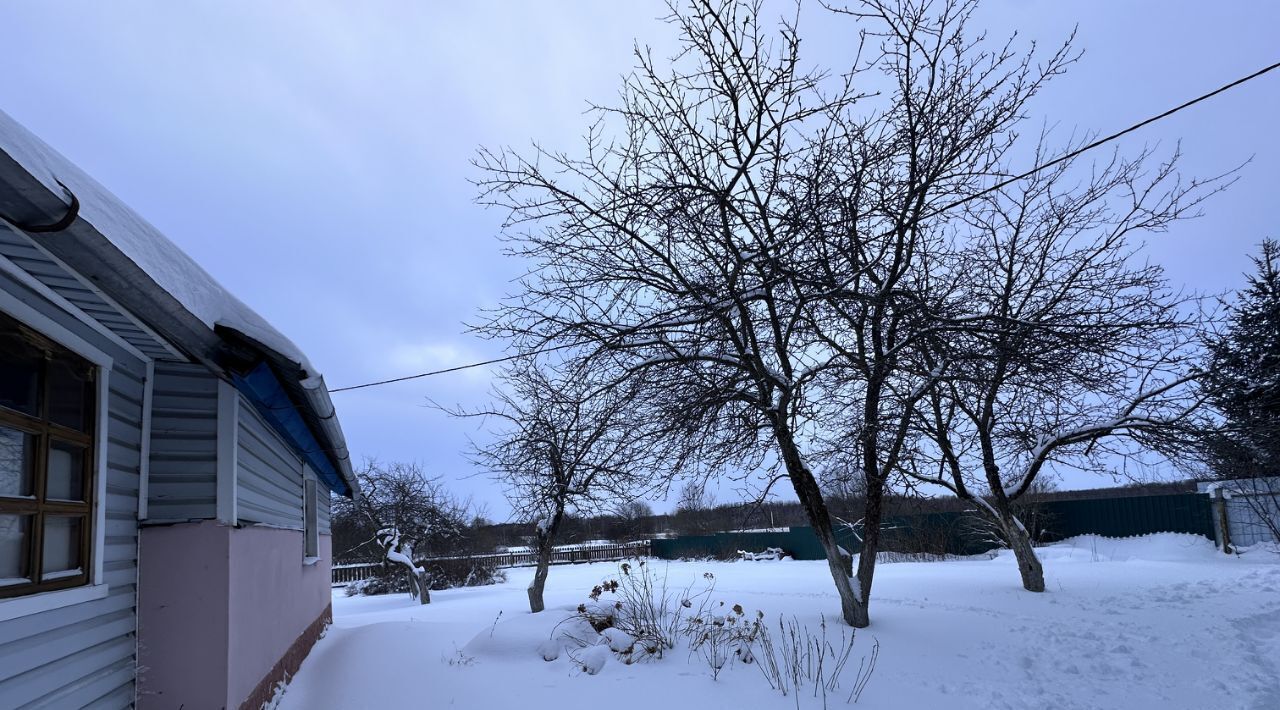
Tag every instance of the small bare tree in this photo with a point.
(1058, 347)
(562, 443)
(401, 512)
(693, 509)
(401, 496)
(399, 553)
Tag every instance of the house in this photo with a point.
(166, 463)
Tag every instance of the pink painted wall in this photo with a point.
(182, 615)
(218, 606)
(274, 598)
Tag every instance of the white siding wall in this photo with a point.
(182, 482)
(269, 474)
(83, 655)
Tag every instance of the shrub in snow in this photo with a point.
(391, 580)
(640, 604)
(458, 658)
(443, 574)
(463, 572)
(798, 658)
(721, 635)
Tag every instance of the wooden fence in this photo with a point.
(564, 555)
(344, 574)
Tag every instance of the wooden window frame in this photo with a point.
(46, 431)
(310, 517)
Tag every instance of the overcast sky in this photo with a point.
(313, 156)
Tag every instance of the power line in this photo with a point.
(1102, 141)
(952, 205)
(452, 369)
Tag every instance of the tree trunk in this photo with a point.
(1028, 563)
(546, 540)
(424, 587)
(873, 511)
(852, 601)
(540, 574)
(840, 563)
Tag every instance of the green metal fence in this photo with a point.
(949, 532)
(1126, 517)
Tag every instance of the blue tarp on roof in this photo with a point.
(264, 390)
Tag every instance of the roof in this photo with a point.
(131, 261)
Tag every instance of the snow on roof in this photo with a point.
(170, 267)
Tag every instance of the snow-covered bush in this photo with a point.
(390, 581)
(463, 572)
(640, 608)
(444, 574)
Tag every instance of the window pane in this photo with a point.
(61, 546)
(15, 540)
(70, 397)
(17, 451)
(19, 372)
(66, 472)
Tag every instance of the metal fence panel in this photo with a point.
(947, 534)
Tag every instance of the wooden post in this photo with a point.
(1220, 503)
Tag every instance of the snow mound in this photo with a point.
(594, 659)
(526, 635)
(619, 641)
(1258, 551)
(1157, 547)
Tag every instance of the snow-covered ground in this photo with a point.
(1162, 621)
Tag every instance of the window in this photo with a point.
(47, 414)
(309, 513)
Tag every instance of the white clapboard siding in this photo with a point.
(268, 474)
(182, 483)
(83, 654)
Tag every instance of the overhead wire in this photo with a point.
(944, 208)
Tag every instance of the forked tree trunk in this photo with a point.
(1024, 552)
(852, 601)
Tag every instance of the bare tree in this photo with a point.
(401, 512)
(757, 239)
(399, 553)
(1059, 348)
(635, 519)
(693, 515)
(401, 496)
(562, 444)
